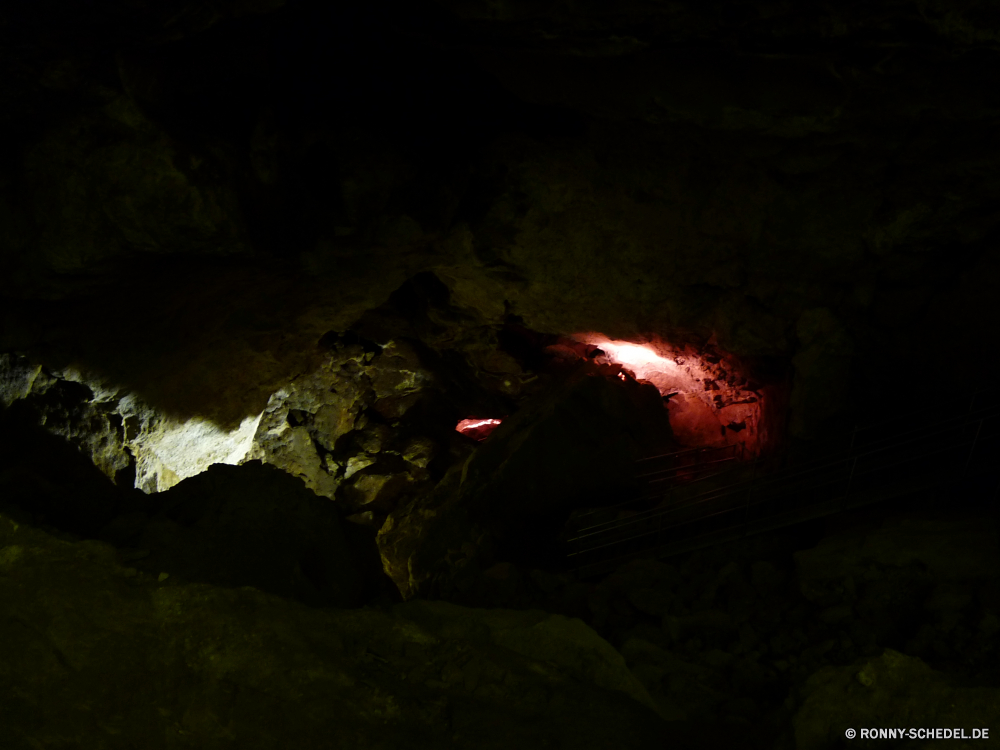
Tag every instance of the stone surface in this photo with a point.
(83, 413)
(301, 430)
(123, 435)
(104, 655)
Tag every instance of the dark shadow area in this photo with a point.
(254, 525)
(248, 525)
(49, 483)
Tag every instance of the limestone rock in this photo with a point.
(168, 450)
(67, 404)
(305, 425)
(304, 420)
(419, 452)
(737, 195)
(430, 537)
(566, 642)
(400, 372)
(356, 464)
(118, 429)
(376, 491)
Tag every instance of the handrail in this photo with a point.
(826, 473)
(883, 443)
(698, 467)
(773, 484)
(687, 451)
(681, 469)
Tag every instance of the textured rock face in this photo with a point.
(85, 416)
(98, 654)
(768, 175)
(316, 428)
(711, 402)
(117, 430)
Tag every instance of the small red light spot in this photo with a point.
(477, 429)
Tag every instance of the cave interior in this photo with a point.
(491, 374)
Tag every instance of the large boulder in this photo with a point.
(893, 691)
(572, 445)
(249, 525)
(95, 654)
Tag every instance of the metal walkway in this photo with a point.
(713, 496)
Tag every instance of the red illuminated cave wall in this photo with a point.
(477, 429)
(711, 402)
(711, 398)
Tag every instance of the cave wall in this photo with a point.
(192, 199)
(300, 233)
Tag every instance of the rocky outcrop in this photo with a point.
(320, 428)
(330, 428)
(85, 415)
(121, 434)
(193, 196)
(98, 654)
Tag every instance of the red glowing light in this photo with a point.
(708, 405)
(477, 429)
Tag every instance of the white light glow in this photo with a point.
(637, 356)
(171, 451)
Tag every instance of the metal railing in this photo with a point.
(661, 474)
(878, 463)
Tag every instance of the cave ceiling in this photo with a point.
(193, 194)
